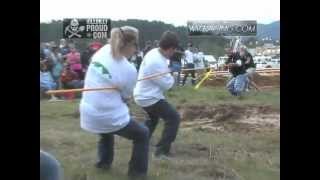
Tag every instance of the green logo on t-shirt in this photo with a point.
(103, 69)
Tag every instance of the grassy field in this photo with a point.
(201, 155)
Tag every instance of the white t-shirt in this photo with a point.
(200, 58)
(105, 111)
(148, 92)
(189, 56)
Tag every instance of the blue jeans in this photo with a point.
(237, 85)
(134, 131)
(48, 86)
(49, 167)
(162, 109)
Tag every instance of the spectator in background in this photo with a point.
(47, 50)
(175, 63)
(95, 46)
(47, 54)
(200, 57)
(46, 81)
(147, 48)
(88, 53)
(73, 59)
(52, 44)
(57, 64)
(42, 54)
(42, 57)
(64, 49)
(247, 59)
(249, 66)
(136, 59)
(139, 59)
(190, 60)
(133, 58)
(70, 79)
(197, 60)
(85, 58)
(155, 44)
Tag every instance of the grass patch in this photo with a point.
(246, 156)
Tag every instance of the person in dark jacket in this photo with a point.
(175, 63)
(147, 48)
(250, 67)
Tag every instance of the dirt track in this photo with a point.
(229, 117)
(226, 117)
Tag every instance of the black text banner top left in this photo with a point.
(92, 28)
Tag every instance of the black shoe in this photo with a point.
(103, 166)
(163, 149)
(159, 152)
(161, 155)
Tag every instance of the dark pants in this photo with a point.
(49, 167)
(192, 72)
(80, 73)
(162, 109)
(139, 134)
(74, 84)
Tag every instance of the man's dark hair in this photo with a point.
(168, 40)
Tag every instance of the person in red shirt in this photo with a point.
(73, 59)
(95, 46)
(70, 79)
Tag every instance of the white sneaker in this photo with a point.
(54, 99)
(161, 157)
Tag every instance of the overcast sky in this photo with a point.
(176, 12)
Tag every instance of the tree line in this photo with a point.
(148, 30)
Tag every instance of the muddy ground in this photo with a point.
(229, 117)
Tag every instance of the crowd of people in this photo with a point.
(63, 66)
